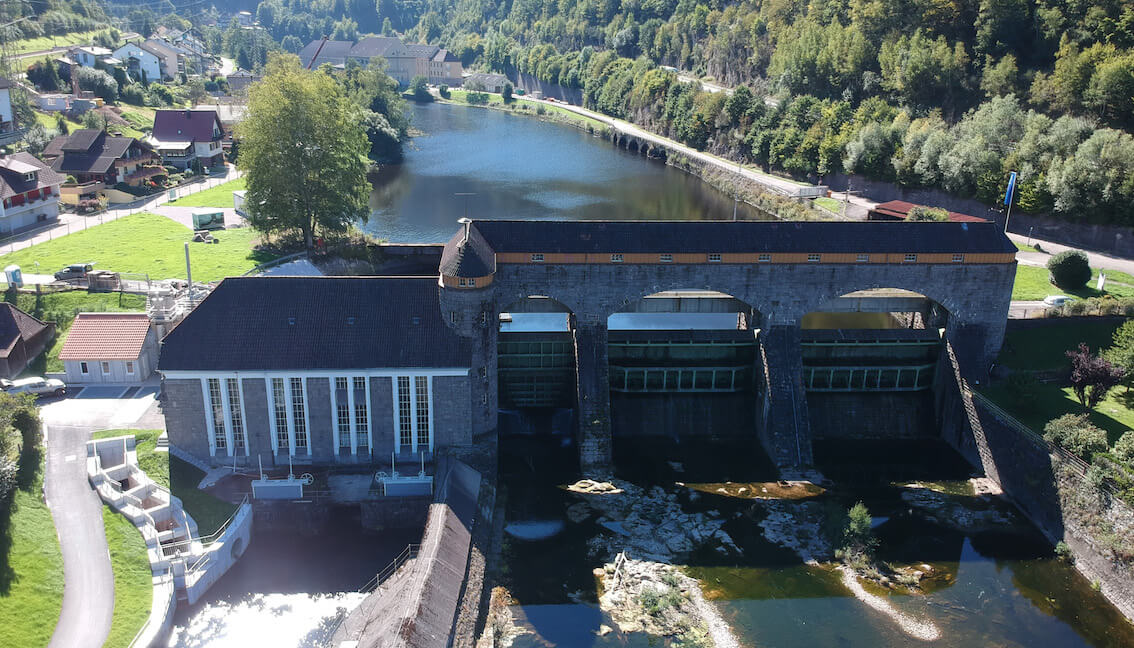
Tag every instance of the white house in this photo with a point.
(182, 136)
(55, 102)
(110, 348)
(30, 192)
(8, 132)
(141, 64)
(87, 56)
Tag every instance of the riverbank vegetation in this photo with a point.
(31, 564)
(146, 244)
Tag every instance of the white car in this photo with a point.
(1057, 300)
(37, 386)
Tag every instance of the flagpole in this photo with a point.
(1010, 198)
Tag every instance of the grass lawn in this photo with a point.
(1024, 248)
(1115, 413)
(1032, 284)
(179, 477)
(496, 101)
(133, 582)
(140, 118)
(48, 42)
(1043, 348)
(31, 569)
(61, 308)
(218, 196)
(830, 204)
(146, 244)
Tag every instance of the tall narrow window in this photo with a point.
(298, 410)
(234, 412)
(279, 399)
(342, 411)
(405, 424)
(220, 441)
(361, 415)
(422, 413)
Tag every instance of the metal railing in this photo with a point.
(212, 537)
(409, 553)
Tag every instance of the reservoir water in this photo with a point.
(519, 167)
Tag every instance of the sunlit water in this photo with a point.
(277, 620)
(519, 167)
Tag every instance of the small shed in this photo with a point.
(22, 339)
(117, 348)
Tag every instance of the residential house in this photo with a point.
(141, 64)
(238, 82)
(185, 136)
(317, 370)
(22, 339)
(109, 348)
(899, 210)
(330, 52)
(89, 55)
(244, 18)
(445, 68)
(8, 131)
(230, 115)
(485, 82)
(171, 62)
(98, 160)
(55, 102)
(30, 192)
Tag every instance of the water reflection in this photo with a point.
(277, 620)
(520, 167)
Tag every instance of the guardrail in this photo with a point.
(212, 537)
(409, 553)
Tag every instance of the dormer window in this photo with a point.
(29, 176)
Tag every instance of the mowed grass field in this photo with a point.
(133, 581)
(146, 244)
(31, 569)
(41, 43)
(218, 196)
(1032, 284)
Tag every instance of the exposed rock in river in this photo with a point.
(965, 514)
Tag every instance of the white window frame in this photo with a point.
(958, 258)
(814, 257)
(665, 258)
(129, 367)
(616, 258)
(537, 258)
(84, 368)
(764, 258)
(862, 258)
(105, 366)
(714, 258)
(910, 258)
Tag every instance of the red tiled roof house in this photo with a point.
(185, 136)
(109, 348)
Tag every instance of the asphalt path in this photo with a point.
(88, 592)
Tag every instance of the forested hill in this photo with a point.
(945, 93)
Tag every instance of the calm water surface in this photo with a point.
(520, 167)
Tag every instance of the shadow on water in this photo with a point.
(996, 586)
(291, 585)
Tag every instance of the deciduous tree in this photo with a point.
(1092, 376)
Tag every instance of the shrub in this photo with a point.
(506, 93)
(419, 90)
(1076, 434)
(134, 94)
(100, 83)
(1124, 447)
(1063, 551)
(540, 110)
(477, 98)
(8, 473)
(444, 91)
(1070, 269)
(858, 535)
(927, 214)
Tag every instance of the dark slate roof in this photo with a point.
(67, 154)
(16, 324)
(332, 52)
(300, 323)
(421, 51)
(445, 56)
(471, 258)
(739, 236)
(12, 183)
(372, 46)
(185, 125)
(900, 210)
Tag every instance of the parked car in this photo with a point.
(37, 386)
(74, 271)
(1057, 300)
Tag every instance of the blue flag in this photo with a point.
(1011, 189)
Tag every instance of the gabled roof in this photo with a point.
(80, 153)
(332, 52)
(184, 125)
(473, 257)
(13, 182)
(16, 324)
(372, 46)
(158, 48)
(300, 323)
(633, 237)
(422, 51)
(106, 336)
(445, 55)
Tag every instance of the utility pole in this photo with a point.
(189, 275)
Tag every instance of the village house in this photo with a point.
(109, 348)
(171, 62)
(89, 55)
(8, 131)
(30, 192)
(141, 64)
(184, 137)
(22, 339)
(317, 370)
(98, 160)
(403, 62)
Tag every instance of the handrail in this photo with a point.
(212, 537)
(409, 553)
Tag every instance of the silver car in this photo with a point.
(37, 386)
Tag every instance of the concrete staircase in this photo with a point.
(787, 427)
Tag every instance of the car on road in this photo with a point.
(1057, 300)
(37, 386)
(74, 271)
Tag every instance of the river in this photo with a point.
(515, 166)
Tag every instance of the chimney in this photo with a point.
(467, 222)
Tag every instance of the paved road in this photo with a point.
(774, 183)
(1098, 260)
(88, 592)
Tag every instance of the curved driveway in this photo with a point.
(88, 592)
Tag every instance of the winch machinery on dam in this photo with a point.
(945, 287)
